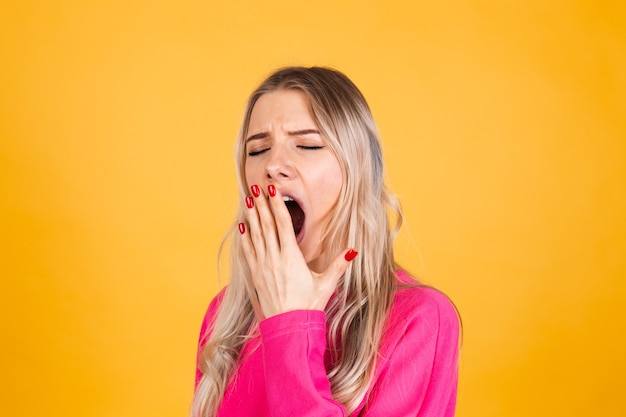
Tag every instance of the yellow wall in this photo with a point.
(504, 130)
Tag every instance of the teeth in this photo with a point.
(288, 199)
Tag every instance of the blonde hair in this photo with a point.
(356, 315)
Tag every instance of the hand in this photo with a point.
(282, 279)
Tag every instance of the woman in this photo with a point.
(318, 320)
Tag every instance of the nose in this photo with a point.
(279, 165)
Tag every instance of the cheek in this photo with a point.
(249, 174)
(330, 182)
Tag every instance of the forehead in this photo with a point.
(281, 107)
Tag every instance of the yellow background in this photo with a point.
(505, 137)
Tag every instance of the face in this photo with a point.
(284, 148)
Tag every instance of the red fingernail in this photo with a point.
(242, 228)
(249, 202)
(256, 191)
(271, 190)
(351, 254)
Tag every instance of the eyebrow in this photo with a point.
(302, 132)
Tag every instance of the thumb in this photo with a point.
(338, 267)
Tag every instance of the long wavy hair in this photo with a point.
(360, 220)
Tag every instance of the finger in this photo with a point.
(251, 259)
(267, 224)
(284, 225)
(247, 247)
(329, 278)
(255, 229)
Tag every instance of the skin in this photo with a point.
(287, 154)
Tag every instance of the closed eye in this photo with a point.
(259, 152)
(306, 147)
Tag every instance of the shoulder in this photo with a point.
(416, 298)
(419, 309)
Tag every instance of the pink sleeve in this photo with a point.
(419, 375)
(205, 330)
(293, 353)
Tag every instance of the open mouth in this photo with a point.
(297, 214)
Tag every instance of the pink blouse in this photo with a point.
(283, 371)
